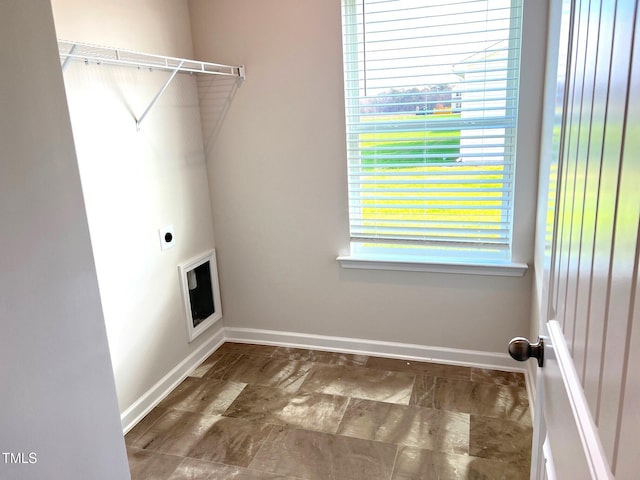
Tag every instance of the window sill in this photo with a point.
(502, 269)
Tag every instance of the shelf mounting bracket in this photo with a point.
(158, 95)
(68, 57)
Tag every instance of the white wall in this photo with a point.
(58, 398)
(136, 182)
(277, 173)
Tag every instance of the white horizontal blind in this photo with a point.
(431, 90)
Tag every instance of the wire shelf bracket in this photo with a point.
(100, 55)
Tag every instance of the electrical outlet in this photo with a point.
(167, 237)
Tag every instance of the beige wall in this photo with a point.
(277, 171)
(58, 408)
(137, 182)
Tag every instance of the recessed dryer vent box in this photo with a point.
(200, 293)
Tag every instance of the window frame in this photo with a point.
(441, 257)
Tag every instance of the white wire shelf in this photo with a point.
(89, 53)
(101, 55)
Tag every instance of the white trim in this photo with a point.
(506, 269)
(405, 351)
(183, 270)
(468, 358)
(538, 462)
(530, 374)
(549, 466)
(594, 452)
(141, 407)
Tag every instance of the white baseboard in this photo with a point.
(469, 358)
(406, 351)
(136, 412)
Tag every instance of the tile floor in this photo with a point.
(255, 412)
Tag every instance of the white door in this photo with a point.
(588, 390)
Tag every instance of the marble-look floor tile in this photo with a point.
(423, 391)
(360, 382)
(175, 432)
(143, 425)
(270, 372)
(500, 439)
(145, 465)
(207, 437)
(423, 368)
(323, 456)
(417, 464)
(231, 441)
(498, 377)
(487, 399)
(406, 425)
(247, 349)
(331, 358)
(312, 411)
(216, 365)
(191, 469)
(208, 397)
(281, 425)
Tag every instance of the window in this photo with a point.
(431, 90)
